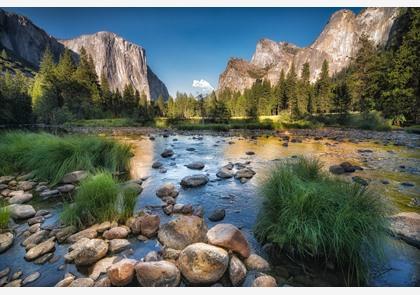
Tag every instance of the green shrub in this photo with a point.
(372, 121)
(99, 198)
(117, 122)
(311, 214)
(4, 218)
(50, 157)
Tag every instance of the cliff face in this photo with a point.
(27, 41)
(338, 43)
(121, 61)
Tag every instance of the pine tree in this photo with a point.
(106, 93)
(342, 99)
(291, 92)
(402, 97)
(323, 90)
(160, 103)
(280, 93)
(4, 55)
(304, 91)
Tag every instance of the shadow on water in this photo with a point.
(242, 201)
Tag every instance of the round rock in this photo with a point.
(194, 180)
(202, 263)
(158, 274)
(230, 237)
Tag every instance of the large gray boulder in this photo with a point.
(91, 252)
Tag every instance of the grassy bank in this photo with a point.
(50, 157)
(99, 198)
(314, 216)
(118, 122)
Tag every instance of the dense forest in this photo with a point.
(381, 79)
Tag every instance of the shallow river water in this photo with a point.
(242, 201)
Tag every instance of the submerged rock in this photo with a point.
(360, 180)
(202, 263)
(183, 231)
(158, 274)
(217, 215)
(195, 165)
(194, 181)
(244, 173)
(167, 153)
(167, 190)
(224, 173)
(67, 188)
(230, 237)
(31, 278)
(406, 225)
(157, 165)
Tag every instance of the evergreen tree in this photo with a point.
(4, 55)
(160, 103)
(342, 99)
(323, 90)
(291, 92)
(304, 90)
(402, 97)
(280, 93)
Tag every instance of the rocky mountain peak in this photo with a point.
(121, 61)
(338, 43)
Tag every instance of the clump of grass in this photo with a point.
(99, 198)
(4, 218)
(372, 121)
(50, 157)
(311, 214)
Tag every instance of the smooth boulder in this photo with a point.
(195, 165)
(183, 231)
(122, 272)
(257, 263)
(6, 240)
(202, 263)
(230, 237)
(167, 190)
(91, 252)
(237, 271)
(18, 211)
(158, 274)
(264, 281)
(40, 249)
(194, 181)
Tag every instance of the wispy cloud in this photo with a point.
(202, 86)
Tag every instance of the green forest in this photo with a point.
(385, 80)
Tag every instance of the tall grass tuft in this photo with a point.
(50, 157)
(99, 198)
(311, 214)
(4, 218)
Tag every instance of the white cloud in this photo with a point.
(203, 86)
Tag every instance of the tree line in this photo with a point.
(382, 79)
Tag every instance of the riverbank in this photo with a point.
(233, 164)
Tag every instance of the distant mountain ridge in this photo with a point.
(121, 61)
(337, 43)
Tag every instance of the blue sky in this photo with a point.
(186, 44)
